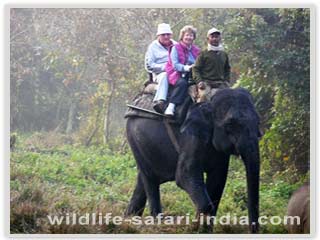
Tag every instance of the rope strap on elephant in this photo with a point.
(172, 136)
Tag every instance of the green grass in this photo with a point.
(86, 180)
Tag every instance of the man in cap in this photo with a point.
(212, 69)
(155, 60)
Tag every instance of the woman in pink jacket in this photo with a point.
(182, 57)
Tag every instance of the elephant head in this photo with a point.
(299, 206)
(236, 130)
(230, 124)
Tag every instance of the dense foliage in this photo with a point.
(72, 70)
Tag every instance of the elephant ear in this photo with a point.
(198, 122)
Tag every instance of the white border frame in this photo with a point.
(168, 4)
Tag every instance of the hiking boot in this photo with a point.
(159, 106)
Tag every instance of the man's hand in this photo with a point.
(201, 85)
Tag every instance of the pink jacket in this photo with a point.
(183, 53)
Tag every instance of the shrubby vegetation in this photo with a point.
(72, 72)
(67, 179)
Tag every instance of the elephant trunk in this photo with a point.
(250, 156)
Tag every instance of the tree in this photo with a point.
(272, 46)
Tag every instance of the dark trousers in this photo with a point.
(179, 92)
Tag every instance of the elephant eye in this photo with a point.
(229, 127)
(234, 127)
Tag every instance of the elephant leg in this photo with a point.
(216, 179)
(189, 173)
(138, 199)
(190, 177)
(152, 189)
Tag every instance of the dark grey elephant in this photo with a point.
(211, 132)
(299, 206)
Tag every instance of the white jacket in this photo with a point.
(156, 57)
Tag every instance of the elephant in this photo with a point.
(299, 205)
(226, 125)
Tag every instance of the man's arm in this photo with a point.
(150, 61)
(227, 69)
(196, 70)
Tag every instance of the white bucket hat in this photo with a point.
(164, 28)
(213, 30)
